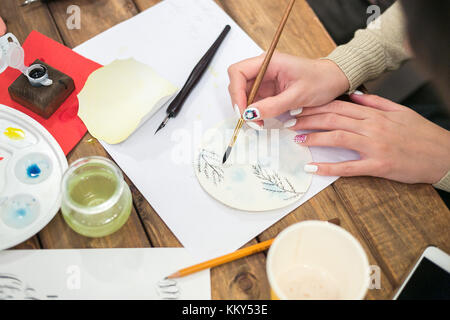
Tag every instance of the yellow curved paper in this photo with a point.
(119, 97)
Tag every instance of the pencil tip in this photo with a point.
(172, 276)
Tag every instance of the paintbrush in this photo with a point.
(259, 78)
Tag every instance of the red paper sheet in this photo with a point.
(64, 124)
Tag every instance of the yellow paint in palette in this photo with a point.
(14, 133)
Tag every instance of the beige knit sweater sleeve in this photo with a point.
(374, 50)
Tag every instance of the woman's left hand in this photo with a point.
(393, 141)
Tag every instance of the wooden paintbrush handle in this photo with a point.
(269, 54)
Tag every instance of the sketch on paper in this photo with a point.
(209, 163)
(272, 182)
(12, 288)
(168, 289)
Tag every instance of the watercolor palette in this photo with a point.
(31, 167)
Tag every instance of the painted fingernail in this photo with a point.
(237, 110)
(290, 123)
(254, 125)
(310, 168)
(251, 113)
(358, 93)
(301, 138)
(296, 112)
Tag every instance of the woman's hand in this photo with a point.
(2, 27)
(290, 83)
(394, 142)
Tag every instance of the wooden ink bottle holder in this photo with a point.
(40, 87)
(42, 100)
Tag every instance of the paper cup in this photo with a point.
(317, 260)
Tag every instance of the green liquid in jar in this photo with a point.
(91, 189)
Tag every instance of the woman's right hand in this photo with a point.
(290, 83)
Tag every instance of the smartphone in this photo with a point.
(429, 279)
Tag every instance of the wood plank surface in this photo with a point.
(96, 17)
(32, 243)
(22, 20)
(397, 221)
(393, 221)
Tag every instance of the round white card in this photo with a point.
(263, 172)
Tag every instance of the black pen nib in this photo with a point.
(163, 124)
(226, 155)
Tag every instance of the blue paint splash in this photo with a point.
(21, 212)
(238, 175)
(33, 171)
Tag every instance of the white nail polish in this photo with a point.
(310, 168)
(296, 112)
(358, 93)
(251, 113)
(254, 126)
(290, 123)
(237, 111)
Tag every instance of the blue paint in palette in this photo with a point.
(33, 171)
(20, 211)
(33, 168)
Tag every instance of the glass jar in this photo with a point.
(96, 200)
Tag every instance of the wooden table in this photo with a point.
(393, 221)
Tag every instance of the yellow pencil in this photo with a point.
(229, 257)
(223, 259)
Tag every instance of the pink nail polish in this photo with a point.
(301, 138)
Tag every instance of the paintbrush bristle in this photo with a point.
(226, 155)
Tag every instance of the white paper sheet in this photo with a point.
(97, 274)
(171, 37)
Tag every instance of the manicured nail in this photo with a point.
(251, 113)
(301, 138)
(237, 110)
(296, 112)
(254, 125)
(310, 168)
(290, 123)
(358, 93)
